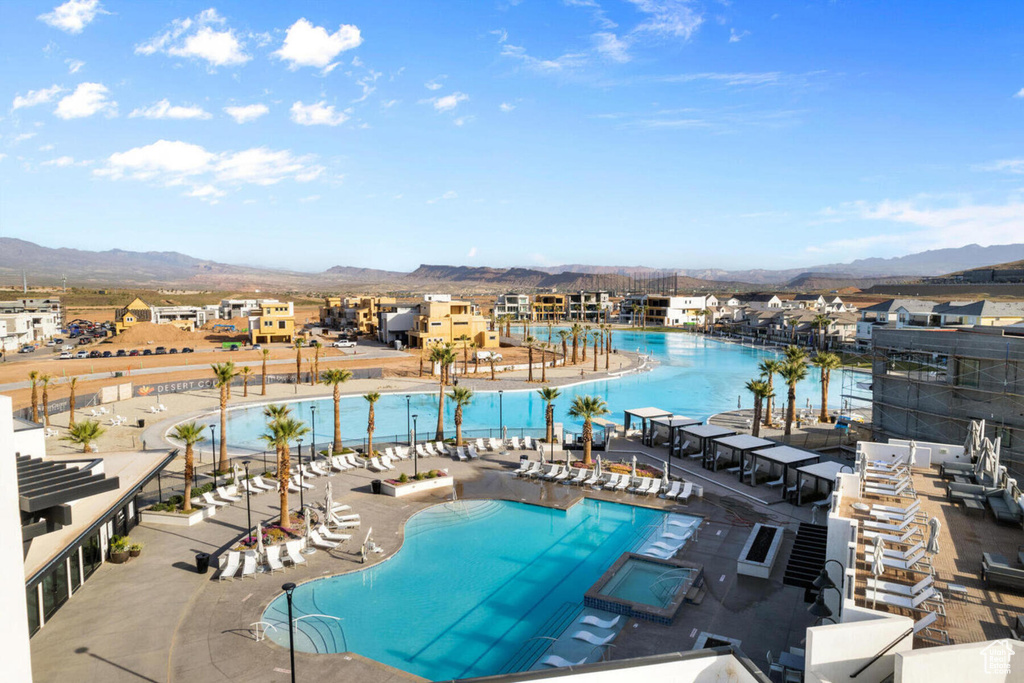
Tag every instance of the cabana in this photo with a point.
(701, 437)
(737, 446)
(818, 472)
(644, 415)
(670, 426)
(608, 429)
(785, 456)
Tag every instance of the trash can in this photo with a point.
(202, 563)
(375, 485)
(142, 422)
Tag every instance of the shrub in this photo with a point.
(404, 478)
(119, 544)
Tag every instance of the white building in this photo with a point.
(35, 306)
(18, 329)
(440, 298)
(515, 305)
(395, 322)
(243, 308)
(667, 311)
(197, 315)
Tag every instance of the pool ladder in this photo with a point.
(666, 589)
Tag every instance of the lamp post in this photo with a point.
(248, 505)
(552, 457)
(824, 582)
(408, 410)
(501, 411)
(819, 608)
(312, 446)
(288, 589)
(415, 452)
(213, 460)
(302, 503)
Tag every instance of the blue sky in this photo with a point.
(386, 134)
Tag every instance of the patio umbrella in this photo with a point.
(259, 539)
(597, 467)
(934, 525)
(912, 456)
(664, 479)
(328, 503)
(969, 443)
(982, 464)
(877, 563)
(862, 468)
(633, 472)
(994, 460)
(309, 529)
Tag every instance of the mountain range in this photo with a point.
(47, 266)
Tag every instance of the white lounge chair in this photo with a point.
(480, 445)
(592, 620)
(317, 468)
(473, 453)
(339, 465)
(666, 546)
(376, 466)
(553, 472)
(249, 564)
(580, 477)
(387, 462)
(459, 453)
(660, 554)
(686, 492)
(429, 448)
(902, 588)
(908, 564)
(563, 475)
(497, 445)
(673, 490)
(402, 452)
(421, 450)
(210, 500)
(321, 543)
(273, 555)
(524, 467)
(623, 483)
(535, 469)
(266, 486)
(514, 444)
(293, 552)
(229, 565)
(441, 448)
(903, 602)
(222, 493)
(869, 551)
(592, 480)
(923, 629)
(329, 535)
(555, 660)
(892, 538)
(611, 482)
(885, 526)
(593, 638)
(527, 443)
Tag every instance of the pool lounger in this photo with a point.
(592, 620)
(230, 566)
(555, 660)
(593, 638)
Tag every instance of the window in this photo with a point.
(967, 372)
(91, 556)
(281, 325)
(32, 598)
(76, 577)
(55, 590)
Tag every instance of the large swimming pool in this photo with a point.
(694, 376)
(473, 586)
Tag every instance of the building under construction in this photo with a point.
(929, 384)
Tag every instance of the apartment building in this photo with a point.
(275, 323)
(186, 317)
(587, 306)
(445, 321)
(18, 329)
(52, 306)
(359, 313)
(516, 305)
(548, 307)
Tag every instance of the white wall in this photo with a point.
(941, 452)
(892, 451)
(834, 652)
(965, 662)
(14, 647)
(29, 442)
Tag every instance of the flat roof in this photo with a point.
(786, 455)
(744, 442)
(647, 412)
(707, 431)
(21, 425)
(827, 469)
(675, 421)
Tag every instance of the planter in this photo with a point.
(415, 486)
(197, 515)
(134, 553)
(760, 551)
(119, 558)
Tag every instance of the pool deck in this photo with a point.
(156, 619)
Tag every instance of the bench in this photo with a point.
(996, 571)
(1005, 511)
(974, 505)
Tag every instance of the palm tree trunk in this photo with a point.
(543, 366)
(825, 378)
(529, 377)
(588, 437)
(756, 431)
(223, 464)
(263, 378)
(46, 406)
(189, 473)
(35, 403)
(550, 415)
(298, 366)
(575, 341)
(369, 432)
(337, 420)
(71, 400)
(791, 410)
(245, 387)
(492, 370)
(595, 353)
(458, 425)
(768, 403)
(283, 463)
(439, 434)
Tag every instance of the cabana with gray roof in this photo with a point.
(818, 472)
(785, 457)
(699, 436)
(645, 415)
(670, 426)
(732, 449)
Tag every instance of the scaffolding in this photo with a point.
(930, 384)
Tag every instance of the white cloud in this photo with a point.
(447, 196)
(675, 18)
(501, 33)
(2, 157)
(568, 61)
(86, 100)
(34, 97)
(196, 38)
(165, 110)
(506, 107)
(309, 45)
(1015, 166)
(387, 104)
(434, 83)
(740, 78)
(447, 102)
(736, 36)
(74, 65)
(22, 137)
(47, 147)
(462, 120)
(310, 198)
(1020, 93)
(60, 162)
(471, 253)
(73, 16)
(176, 164)
(246, 113)
(317, 114)
(612, 47)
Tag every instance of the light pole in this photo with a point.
(552, 458)
(248, 505)
(501, 420)
(415, 452)
(213, 436)
(312, 446)
(824, 582)
(288, 589)
(302, 504)
(408, 410)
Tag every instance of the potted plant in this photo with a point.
(135, 549)
(119, 549)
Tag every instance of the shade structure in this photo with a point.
(934, 526)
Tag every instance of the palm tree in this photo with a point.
(795, 353)
(585, 338)
(445, 355)
(315, 373)
(761, 391)
(370, 398)
(280, 434)
(550, 329)
(828, 362)
(595, 337)
(491, 360)
(298, 360)
(608, 349)
(563, 336)
(705, 314)
(335, 378)
(275, 413)
(33, 377)
(793, 372)
(72, 384)
(822, 322)
(190, 434)
(84, 433)
(246, 373)
(587, 408)
(576, 330)
(529, 342)
(465, 340)
(543, 362)
(769, 368)
(263, 375)
(462, 397)
(223, 374)
(548, 395)
(45, 380)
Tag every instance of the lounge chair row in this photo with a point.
(609, 481)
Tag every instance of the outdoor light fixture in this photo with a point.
(312, 446)
(824, 582)
(213, 436)
(408, 410)
(819, 608)
(415, 451)
(288, 589)
(248, 505)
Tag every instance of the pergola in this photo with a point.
(46, 490)
(786, 456)
(703, 436)
(672, 424)
(644, 415)
(738, 444)
(820, 471)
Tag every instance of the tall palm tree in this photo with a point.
(45, 380)
(575, 331)
(550, 329)
(280, 434)
(190, 434)
(705, 315)
(315, 371)
(246, 374)
(263, 374)
(72, 385)
(462, 397)
(33, 376)
(223, 374)
(563, 337)
(596, 337)
(275, 413)
(84, 434)
(759, 388)
(543, 361)
(371, 398)
(465, 340)
(585, 337)
(335, 378)
(769, 368)
(828, 362)
(586, 408)
(492, 360)
(443, 354)
(608, 349)
(298, 360)
(548, 395)
(822, 322)
(530, 342)
(793, 372)
(795, 353)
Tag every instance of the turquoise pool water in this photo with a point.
(648, 583)
(694, 376)
(474, 582)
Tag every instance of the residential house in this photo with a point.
(588, 306)
(667, 311)
(41, 306)
(186, 317)
(984, 312)
(137, 311)
(358, 313)
(242, 308)
(761, 302)
(19, 329)
(446, 321)
(275, 323)
(515, 305)
(395, 322)
(815, 301)
(895, 313)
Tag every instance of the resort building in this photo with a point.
(447, 321)
(394, 322)
(40, 306)
(588, 306)
(274, 323)
(549, 307)
(19, 329)
(353, 313)
(659, 310)
(137, 311)
(515, 305)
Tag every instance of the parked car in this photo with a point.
(172, 351)
(121, 353)
(51, 343)
(343, 344)
(82, 354)
(186, 350)
(257, 347)
(147, 352)
(27, 349)
(65, 355)
(161, 350)
(95, 354)
(58, 341)
(107, 354)
(82, 341)
(133, 352)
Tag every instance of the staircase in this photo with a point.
(808, 556)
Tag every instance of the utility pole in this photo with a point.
(24, 282)
(64, 282)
